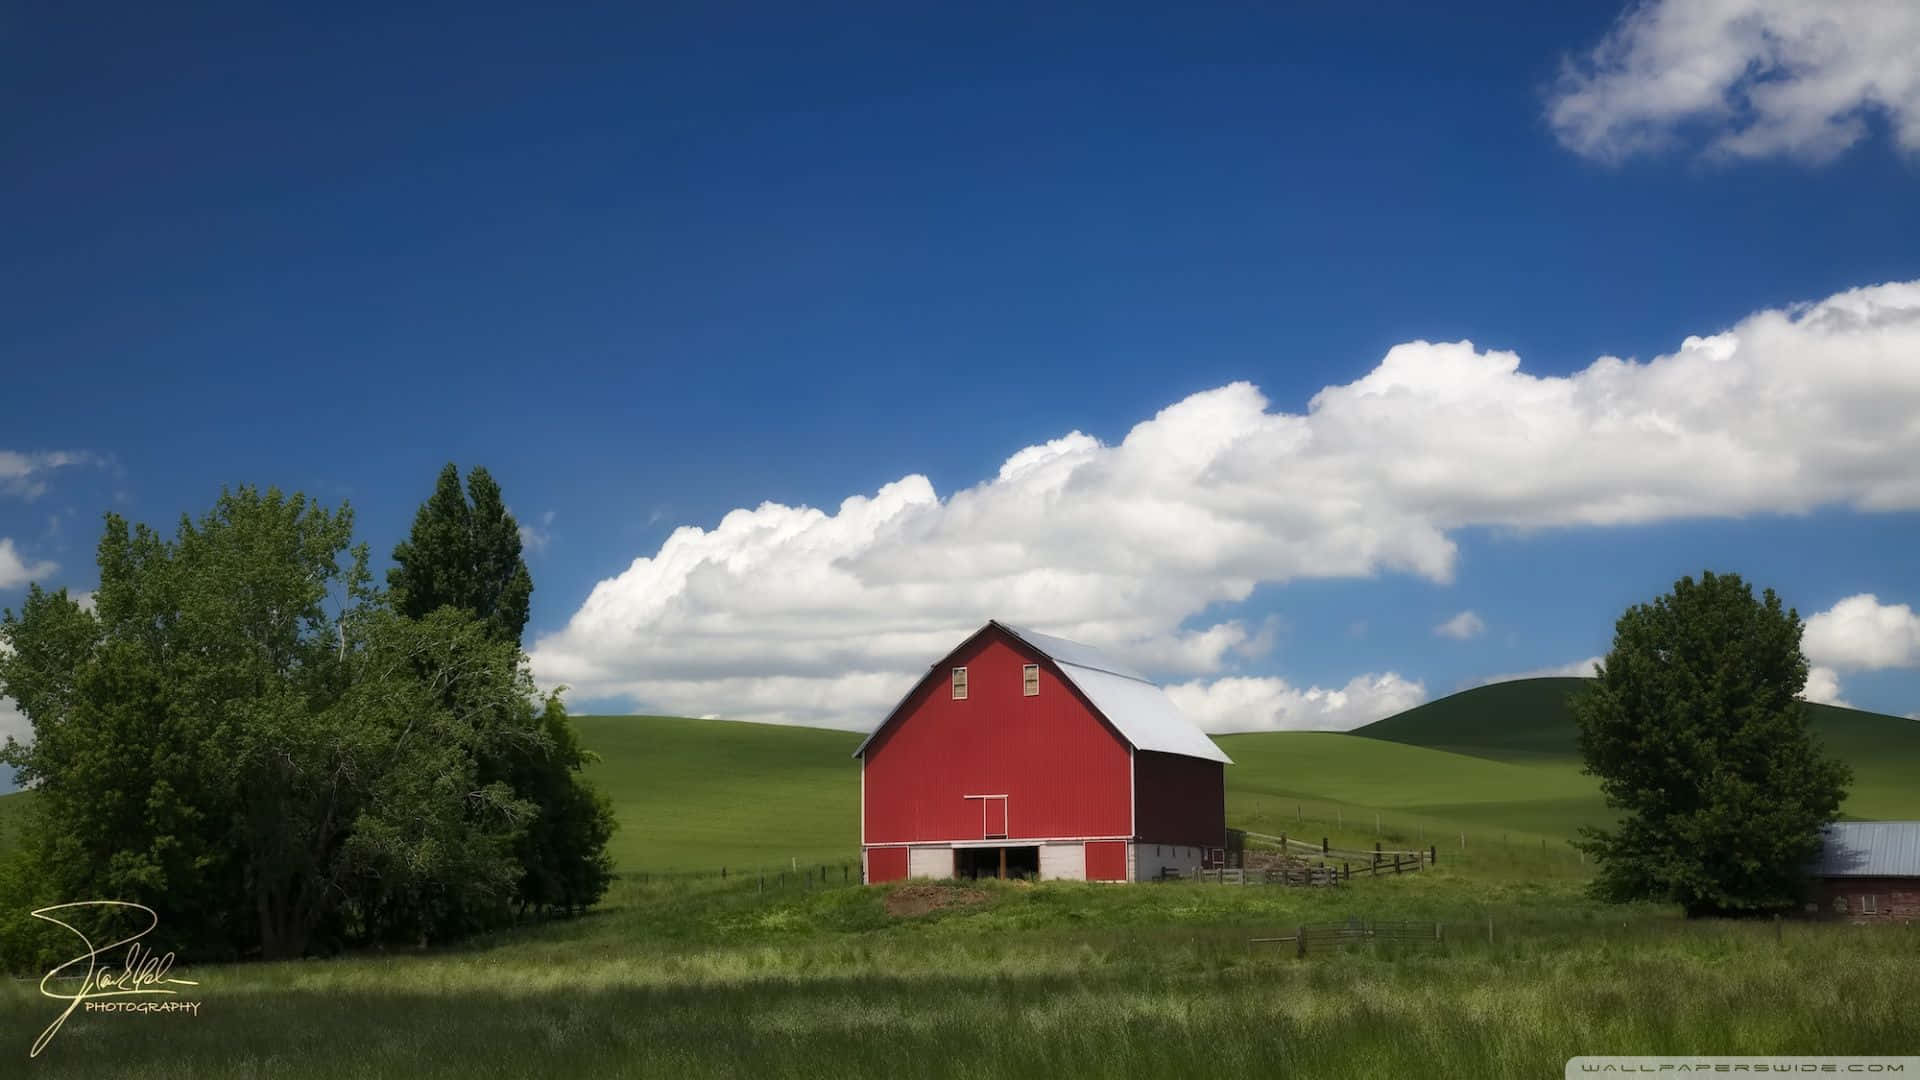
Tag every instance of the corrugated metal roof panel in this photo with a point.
(1871, 849)
(1143, 713)
(1140, 710)
(1062, 651)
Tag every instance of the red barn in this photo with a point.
(1021, 753)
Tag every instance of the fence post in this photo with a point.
(723, 873)
(1433, 855)
(1346, 871)
(1300, 941)
(1324, 849)
(1376, 854)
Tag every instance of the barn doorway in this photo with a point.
(996, 862)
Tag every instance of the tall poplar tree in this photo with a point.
(464, 552)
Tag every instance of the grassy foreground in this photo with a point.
(679, 976)
(705, 979)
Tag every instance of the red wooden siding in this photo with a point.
(1894, 899)
(886, 864)
(1064, 771)
(1107, 860)
(1180, 800)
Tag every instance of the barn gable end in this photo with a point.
(1001, 780)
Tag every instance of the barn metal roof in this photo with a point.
(1871, 849)
(1132, 703)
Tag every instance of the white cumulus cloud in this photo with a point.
(1862, 634)
(535, 538)
(24, 474)
(1246, 703)
(1146, 546)
(1823, 687)
(1576, 669)
(1462, 627)
(1744, 79)
(15, 570)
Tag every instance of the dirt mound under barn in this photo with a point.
(910, 900)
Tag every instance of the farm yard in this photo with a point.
(684, 973)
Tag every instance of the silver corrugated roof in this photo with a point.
(1062, 651)
(1871, 849)
(1138, 709)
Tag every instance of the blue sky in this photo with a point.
(651, 264)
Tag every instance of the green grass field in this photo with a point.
(678, 976)
(700, 794)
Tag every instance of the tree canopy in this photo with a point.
(248, 737)
(464, 552)
(1695, 728)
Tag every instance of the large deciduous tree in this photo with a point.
(1695, 728)
(245, 737)
(464, 552)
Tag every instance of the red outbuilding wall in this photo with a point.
(1180, 800)
(1107, 860)
(1064, 771)
(886, 864)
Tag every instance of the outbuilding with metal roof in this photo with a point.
(1869, 871)
(1024, 754)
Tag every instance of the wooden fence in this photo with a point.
(1300, 873)
(1330, 936)
(1293, 846)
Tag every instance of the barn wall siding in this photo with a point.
(930, 862)
(1150, 859)
(1063, 770)
(1896, 899)
(1181, 800)
(1063, 862)
(886, 864)
(1107, 860)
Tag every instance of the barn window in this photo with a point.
(1030, 680)
(959, 684)
(1839, 905)
(1869, 904)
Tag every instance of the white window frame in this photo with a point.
(960, 684)
(1869, 904)
(1030, 680)
(1006, 818)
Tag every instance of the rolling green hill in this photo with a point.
(1495, 763)
(708, 793)
(1527, 721)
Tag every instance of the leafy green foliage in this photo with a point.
(563, 853)
(465, 555)
(249, 740)
(1696, 732)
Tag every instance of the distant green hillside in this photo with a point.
(1527, 721)
(1496, 763)
(1519, 719)
(709, 793)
